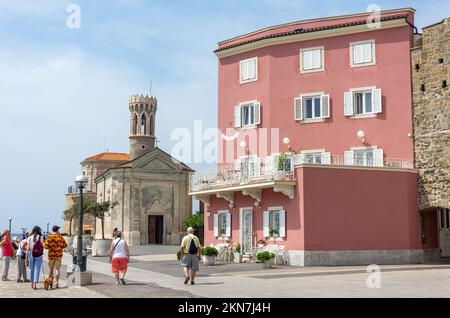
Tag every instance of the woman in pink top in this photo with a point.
(7, 253)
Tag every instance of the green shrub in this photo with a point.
(238, 248)
(210, 251)
(179, 255)
(265, 256)
(195, 221)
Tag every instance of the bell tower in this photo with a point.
(142, 124)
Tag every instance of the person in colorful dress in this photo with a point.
(55, 244)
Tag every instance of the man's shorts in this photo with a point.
(55, 263)
(190, 261)
(119, 264)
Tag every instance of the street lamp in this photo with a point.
(80, 182)
(10, 219)
(48, 223)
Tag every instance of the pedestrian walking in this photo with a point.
(190, 251)
(34, 255)
(55, 244)
(7, 254)
(119, 256)
(22, 262)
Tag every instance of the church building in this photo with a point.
(151, 189)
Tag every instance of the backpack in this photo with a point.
(192, 247)
(38, 248)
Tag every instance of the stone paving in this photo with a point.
(154, 272)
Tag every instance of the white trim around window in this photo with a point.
(248, 70)
(312, 59)
(247, 120)
(362, 53)
(357, 107)
(306, 109)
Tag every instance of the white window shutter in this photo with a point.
(252, 69)
(357, 54)
(325, 158)
(306, 60)
(268, 165)
(299, 159)
(237, 116)
(244, 71)
(237, 164)
(282, 223)
(316, 59)
(378, 158)
(367, 53)
(376, 101)
(228, 228)
(257, 113)
(348, 104)
(298, 108)
(325, 105)
(266, 224)
(216, 224)
(349, 158)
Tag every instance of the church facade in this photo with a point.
(151, 189)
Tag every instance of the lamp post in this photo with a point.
(80, 181)
(48, 223)
(10, 219)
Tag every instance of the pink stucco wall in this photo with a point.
(338, 209)
(280, 81)
(348, 209)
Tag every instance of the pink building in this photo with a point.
(322, 163)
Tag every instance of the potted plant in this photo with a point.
(237, 256)
(281, 171)
(266, 258)
(209, 254)
(222, 232)
(274, 233)
(261, 243)
(101, 210)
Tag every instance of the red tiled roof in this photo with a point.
(309, 30)
(109, 156)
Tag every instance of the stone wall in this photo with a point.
(431, 108)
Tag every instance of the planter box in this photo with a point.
(101, 247)
(208, 260)
(267, 264)
(237, 257)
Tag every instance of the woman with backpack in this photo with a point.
(34, 254)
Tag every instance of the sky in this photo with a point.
(64, 91)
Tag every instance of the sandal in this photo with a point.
(123, 281)
(186, 279)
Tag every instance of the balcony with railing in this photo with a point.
(252, 174)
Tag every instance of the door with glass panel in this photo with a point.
(444, 226)
(246, 230)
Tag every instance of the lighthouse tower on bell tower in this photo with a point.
(142, 124)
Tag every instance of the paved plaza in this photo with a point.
(155, 272)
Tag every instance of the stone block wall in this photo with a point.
(431, 109)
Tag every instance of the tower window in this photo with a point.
(422, 88)
(143, 125)
(135, 121)
(417, 67)
(444, 84)
(441, 60)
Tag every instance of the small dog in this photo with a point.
(48, 283)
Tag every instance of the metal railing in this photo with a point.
(258, 171)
